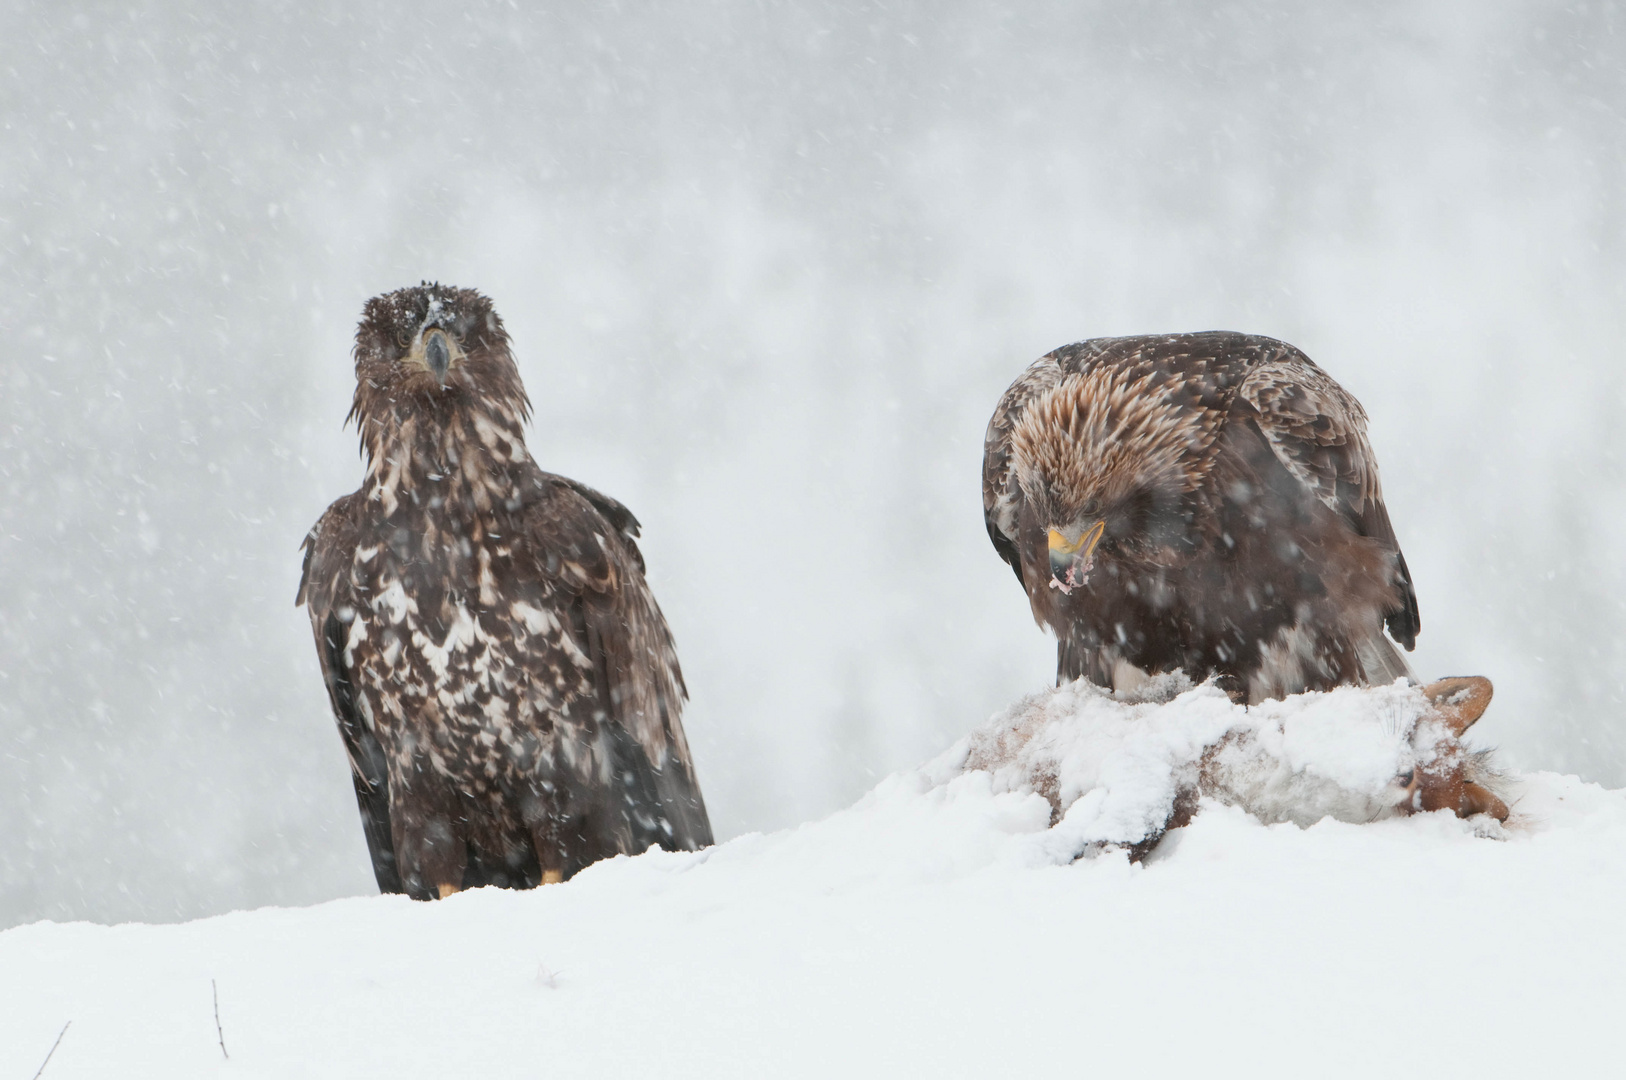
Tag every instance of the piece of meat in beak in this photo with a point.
(1072, 556)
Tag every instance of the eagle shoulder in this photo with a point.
(584, 541)
(614, 513)
(1317, 430)
(329, 548)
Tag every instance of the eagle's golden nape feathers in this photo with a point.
(1101, 433)
(1239, 527)
(505, 686)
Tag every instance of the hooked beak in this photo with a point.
(437, 354)
(1070, 560)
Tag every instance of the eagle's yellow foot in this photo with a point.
(552, 877)
(445, 890)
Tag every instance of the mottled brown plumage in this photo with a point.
(504, 682)
(1207, 503)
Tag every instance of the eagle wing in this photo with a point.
(585, 542)
(325, 587)
(1001, 496)
(602, 668)
(1318, 432)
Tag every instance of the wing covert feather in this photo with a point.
(325, 589)
(1317, 430)
(590, 552)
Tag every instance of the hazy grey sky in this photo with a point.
(767, 269)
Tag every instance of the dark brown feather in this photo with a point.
(1245, 535)
(505, 685)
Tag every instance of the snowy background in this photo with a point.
(767, 268)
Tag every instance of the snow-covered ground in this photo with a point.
(936, 928)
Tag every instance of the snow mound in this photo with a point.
(939, 927)
(1122, 769)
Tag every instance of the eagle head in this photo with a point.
(431, 350)
(1107, 461)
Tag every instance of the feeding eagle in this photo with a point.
(1205, 503)
(505, 685)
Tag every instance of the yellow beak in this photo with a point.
(1081, 548)
(1070, 559)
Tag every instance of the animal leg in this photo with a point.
(550, 855)
(539, 811)
(430, 848)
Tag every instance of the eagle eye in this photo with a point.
(402, 338)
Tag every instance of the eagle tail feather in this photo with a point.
(661, 805)
(1381, 663)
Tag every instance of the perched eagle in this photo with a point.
(505, 685)
(1205, 503)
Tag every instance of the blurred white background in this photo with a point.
(767, 269)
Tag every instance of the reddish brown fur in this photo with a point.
(1445, 782)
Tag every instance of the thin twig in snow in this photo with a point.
(213, 989)
(54, 1045)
